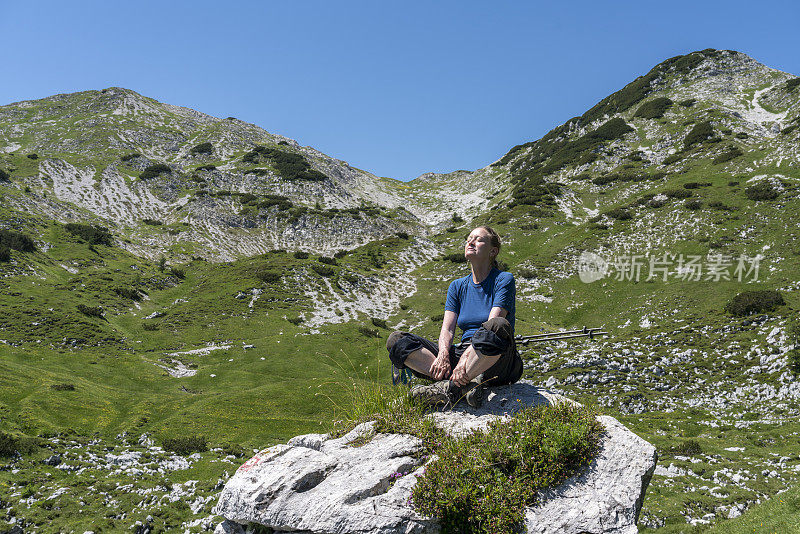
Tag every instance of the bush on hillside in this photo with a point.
(289, 165)
(689, 102)
(207, 168)
(717, 205)
(380, 323)
(150, 327)
(702, 131)
(5, 253)
(267, 275)
(792, 84)
(793, 358)
(282, 202)
(185, 444)
(741, 135)
(128, 157)
(301, 255)
(608, 131)
(693, 204)
(455, 257)
(690, 447)
(729, 154)
(620, 214)
(758, 301)
(322, 270)
(33, 156)
(62, 387)
(177, 272)
(524, 272)
(672, 158)
(654, 109)
(763, 190)
(588, 157)
(152, 222)
(678, 193)
(402, 235)
(11, 445)
(94, 235)
(341, 253)
(328, 261)
(90, 311)
(128, 293)
(202, 148)
(4, 176)
(17, 241)
(604, 180)
(152, 171)
(368, 332)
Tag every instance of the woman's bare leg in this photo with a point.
(474, 364)
(421, 361)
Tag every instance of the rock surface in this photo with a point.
(356, 484)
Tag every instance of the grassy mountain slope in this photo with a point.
(697, 158)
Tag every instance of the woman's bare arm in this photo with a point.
(441, 365)
(497, 311)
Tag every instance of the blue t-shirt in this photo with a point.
(473, 302)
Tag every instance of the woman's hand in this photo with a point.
(441, 365)
(459, 376)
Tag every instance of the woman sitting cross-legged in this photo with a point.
(482, 304)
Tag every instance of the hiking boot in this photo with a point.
(439, 393)
(397, 376)
(473, 394)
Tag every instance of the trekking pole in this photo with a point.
(564, 334)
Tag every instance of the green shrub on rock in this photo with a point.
(482, 482)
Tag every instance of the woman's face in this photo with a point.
(479, 246)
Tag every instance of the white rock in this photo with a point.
(319, 485)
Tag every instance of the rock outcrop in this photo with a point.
(362, 483)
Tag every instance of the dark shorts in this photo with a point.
(492, 338)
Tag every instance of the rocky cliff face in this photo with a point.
(89, 155)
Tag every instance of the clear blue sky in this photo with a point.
(396, 88)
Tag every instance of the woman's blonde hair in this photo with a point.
(495, 241)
